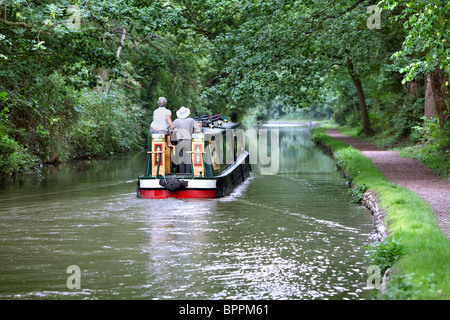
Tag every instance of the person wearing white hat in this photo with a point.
(185, 126)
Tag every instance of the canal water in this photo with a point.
(293, 235)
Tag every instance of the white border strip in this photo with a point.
(234, 166)
(192, 184)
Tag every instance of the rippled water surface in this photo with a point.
(293, 235)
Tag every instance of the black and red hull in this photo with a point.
(197, 187)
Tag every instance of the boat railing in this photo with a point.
(209, 151)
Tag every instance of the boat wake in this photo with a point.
(237, 193)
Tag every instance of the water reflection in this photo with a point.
(290, 236)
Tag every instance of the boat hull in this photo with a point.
(180, 194)
(198, 188)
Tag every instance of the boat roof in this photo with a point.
(221, 128)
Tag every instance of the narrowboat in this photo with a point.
(218, 163)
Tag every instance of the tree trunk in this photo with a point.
(441, 94)
(356, 111)
(234, 116)
(412, 88)
(430, 107)
(361, 97)
(119, 49)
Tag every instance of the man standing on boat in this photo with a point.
(162, 121)
(185, 127)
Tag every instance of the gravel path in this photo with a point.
(408, 173)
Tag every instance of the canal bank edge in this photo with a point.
(421, 270)
(369, 199)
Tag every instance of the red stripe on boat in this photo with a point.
(180, 194)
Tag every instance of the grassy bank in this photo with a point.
(416, 250)
(427, 144)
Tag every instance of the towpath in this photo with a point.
(408, 173)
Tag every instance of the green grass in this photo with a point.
(433, 154)
(437, 159)
(423, 269)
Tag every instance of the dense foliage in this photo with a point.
(80, 78)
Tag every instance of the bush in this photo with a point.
(40, 115)
(49, 122)
(357, 192)
(108, 124)
(431, 132)
(433, 149)
(13, 157)
(384, 254)
(340, 114)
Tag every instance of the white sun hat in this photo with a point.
(183, 113)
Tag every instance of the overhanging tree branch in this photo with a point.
(321, 21)
(15, 24)
(334, 16)
(148, 40)
(22, 25)
(192, 16)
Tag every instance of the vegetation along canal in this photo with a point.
(292, 235)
